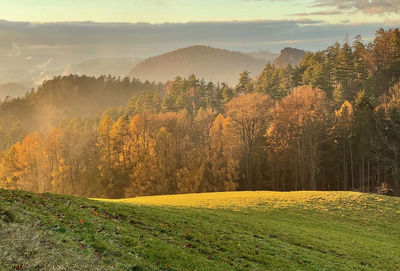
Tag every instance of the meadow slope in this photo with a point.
(212, 231)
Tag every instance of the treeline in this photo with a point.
(330, 123)
(296, 143)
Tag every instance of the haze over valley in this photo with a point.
(29, 56)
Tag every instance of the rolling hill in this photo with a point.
(267, 56)
(212, 64)
(213, 231)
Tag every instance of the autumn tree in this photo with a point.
(224, 159)
(250, 116)
(298, 129)
(342, 131)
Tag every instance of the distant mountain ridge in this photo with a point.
(212, 64)
(289, 56)
(265, 55)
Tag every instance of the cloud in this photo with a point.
(72, 42)
(348, 6)
(318, 13)
(365, 6)
(44, 65)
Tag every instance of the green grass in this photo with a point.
(51, 232)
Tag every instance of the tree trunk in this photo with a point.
(352, 168)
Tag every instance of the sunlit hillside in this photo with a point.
(213, 231)
(255, 199)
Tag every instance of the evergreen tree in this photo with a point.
(338, 96)
(227, 93)
(245, 84)
(345, 69)
(268, 82)
(363, 128)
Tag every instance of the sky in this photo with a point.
(38, 36)
(161, 11)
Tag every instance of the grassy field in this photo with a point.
(213, 231)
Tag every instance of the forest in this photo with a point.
(330, 123)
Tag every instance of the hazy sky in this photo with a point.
(37, 36)
(159, 11)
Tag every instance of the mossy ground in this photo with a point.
(213, 231)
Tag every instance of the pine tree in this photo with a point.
(338, 96)
(345, 69)
(268, 82)
(363, 130)
(245, 84)
(227, 93)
